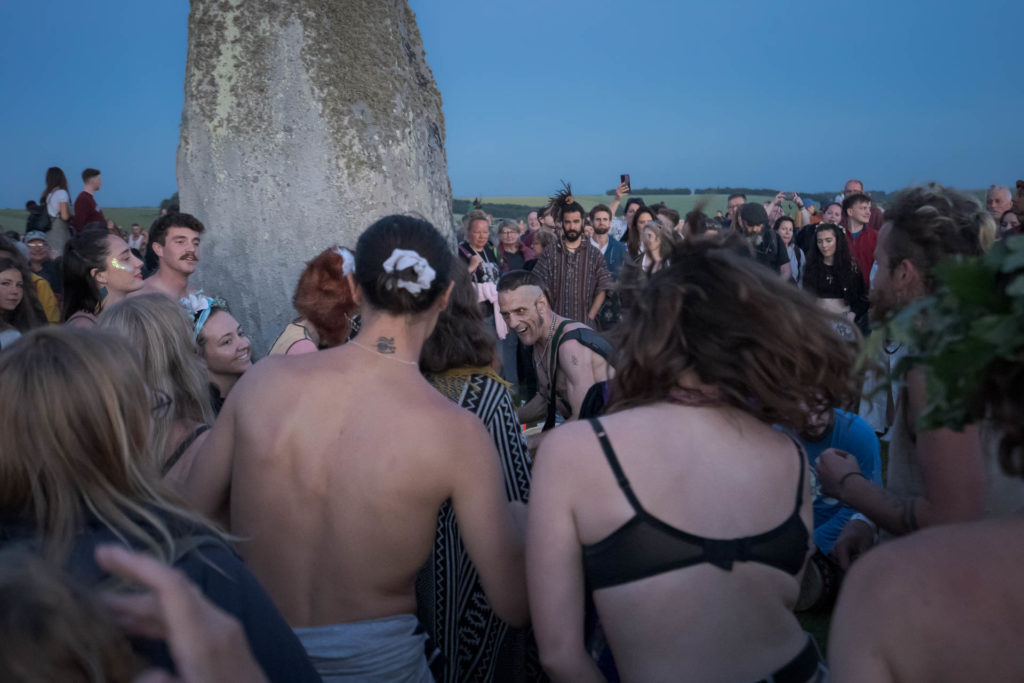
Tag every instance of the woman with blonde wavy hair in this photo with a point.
(157, 327)
(84, 479)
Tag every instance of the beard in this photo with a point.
(572, 235)
(602, 231)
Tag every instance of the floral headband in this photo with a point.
(199, 307)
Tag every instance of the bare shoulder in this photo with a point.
(563, 446)
(944, 562)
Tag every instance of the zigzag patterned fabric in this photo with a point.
(476, 644)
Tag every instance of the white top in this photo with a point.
(53, 202)
(619, 228)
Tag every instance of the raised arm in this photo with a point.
(486, 520)
(620, 191)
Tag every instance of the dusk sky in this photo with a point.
(790, 95)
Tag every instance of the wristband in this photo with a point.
(846, 476)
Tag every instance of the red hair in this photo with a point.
(324, 296)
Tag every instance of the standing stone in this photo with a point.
(304, 122)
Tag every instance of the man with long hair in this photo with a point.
(935, 476)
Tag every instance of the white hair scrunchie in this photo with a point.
(348, 260)
(401, 259)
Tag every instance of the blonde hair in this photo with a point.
(90, 459)
(157, 327)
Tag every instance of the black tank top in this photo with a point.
(645, 546)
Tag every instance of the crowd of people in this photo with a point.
(578, 447)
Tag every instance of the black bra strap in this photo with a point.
(613, 462)
(182, 447)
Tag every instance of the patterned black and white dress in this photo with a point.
(476, 644)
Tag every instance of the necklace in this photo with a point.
(386, 357)
(550, 336)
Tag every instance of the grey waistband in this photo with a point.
(388, 649)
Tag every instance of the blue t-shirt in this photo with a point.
(850, 433)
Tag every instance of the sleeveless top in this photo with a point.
(646, 546)
(135, 242)
(292, 333)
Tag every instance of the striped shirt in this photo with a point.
(573, 278)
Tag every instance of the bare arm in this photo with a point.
(486, 520)
(596, 306)
(62, 209)
(554, 567)
(859, 639)
(619, 192)
(786, 271)
(208, 486)
(952, 466)
(575, 362)
(535, 409)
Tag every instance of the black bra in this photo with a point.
(645, 546)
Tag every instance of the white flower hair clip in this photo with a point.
(348, 260)
(402, 259)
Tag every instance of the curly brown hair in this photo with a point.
(324, 297)
(766, 348)
(931, 223)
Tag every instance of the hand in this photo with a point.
(522, 226)
(796, 200)
(779, 198)
(621, 190)
(854, 540)
(833, 465)
(475, 262)
(206, 643)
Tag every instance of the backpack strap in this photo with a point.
(556, 342)
(590, 339)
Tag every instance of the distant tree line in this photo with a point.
(654, 190)
(515, 211)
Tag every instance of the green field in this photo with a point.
(124, 216)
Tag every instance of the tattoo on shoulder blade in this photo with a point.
(574, 361)
(385, 344)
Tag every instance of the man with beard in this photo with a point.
(935, 476)
(769, 250)
(847, 432)
(174, 239)
(614, 253)
(574, 270)
(571, 359)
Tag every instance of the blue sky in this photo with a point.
(793, 95)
